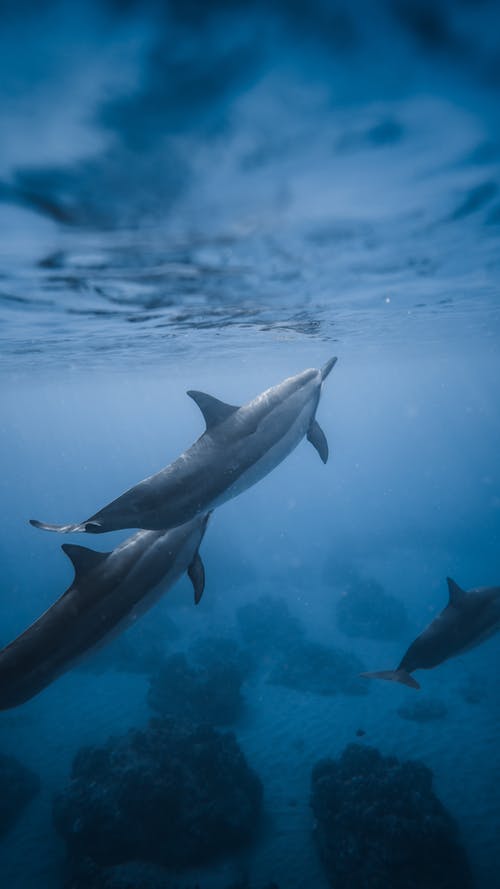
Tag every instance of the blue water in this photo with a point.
(216, 196)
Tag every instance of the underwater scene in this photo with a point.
(249, 439)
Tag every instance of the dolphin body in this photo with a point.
(469, 619)
(109, 592)
(238, 448)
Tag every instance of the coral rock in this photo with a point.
(380, 825)
(174, 794)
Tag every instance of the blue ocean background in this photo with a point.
(216, 196)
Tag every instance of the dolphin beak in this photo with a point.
(325, 370)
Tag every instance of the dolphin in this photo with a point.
(109, 592)
(468, 619)
(239, 447)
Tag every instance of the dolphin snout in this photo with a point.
(325, 370)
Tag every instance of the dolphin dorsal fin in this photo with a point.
(213, 410)
(83, 558)
(456, 592)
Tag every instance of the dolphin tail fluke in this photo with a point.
(325, 370)
(90, 527)
(394, 676)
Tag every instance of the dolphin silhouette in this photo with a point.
(469, 619)
(109, 592)
(239, 447)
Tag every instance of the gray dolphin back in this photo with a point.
(239, 447)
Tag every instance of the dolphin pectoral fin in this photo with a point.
(83, 558)
(393, 676)
(318, 440)
(456, 593)
(213, 410)
(196, 574)
(325, 370)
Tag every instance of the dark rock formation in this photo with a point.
(366, 610)
(473, 690)
(320, 669)
(174, 794)
(221, 650)
(423, 710)
(380, 825)
(205, 688)
(88, 875)
(18, 786)
(267, 626)
(278, 641)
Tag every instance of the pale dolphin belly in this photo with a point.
(272, 458)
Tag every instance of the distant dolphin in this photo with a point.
(469, 619)
(109, 591)
(239, 447)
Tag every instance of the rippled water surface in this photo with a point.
(172, 184)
